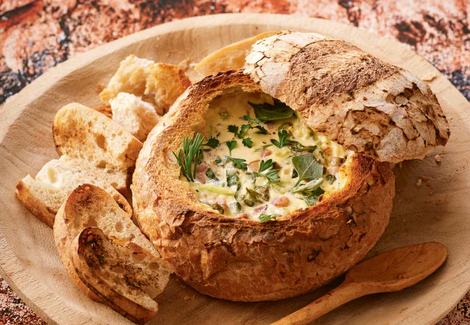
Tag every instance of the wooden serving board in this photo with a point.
(438, 210)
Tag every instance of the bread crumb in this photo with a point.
(186, 298)
(437, 158)
(419, 182)
(430, 76)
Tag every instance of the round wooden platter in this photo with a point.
(435, 211)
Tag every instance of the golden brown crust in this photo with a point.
(244, 260)
(105, 110)
(366, 105)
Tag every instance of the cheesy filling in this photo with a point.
(259, 161)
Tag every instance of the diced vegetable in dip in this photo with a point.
(259, 160)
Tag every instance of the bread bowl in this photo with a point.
(255, 256)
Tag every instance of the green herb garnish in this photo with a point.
(218, 160)
(267, 112)
(312, 198)
(272, 176)
(212, 142)
(266, 217)
(307, 168)
(282, 139)
(308, 187)
(232, 179)
(233, 129)
(238, 163)
(247, 142)
(330, 178)
(231, 145)
(297, 147)
(211, 175)
(261, 130)
(189, 156)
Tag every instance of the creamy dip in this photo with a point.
(258, 169)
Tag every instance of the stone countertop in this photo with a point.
(36, 35)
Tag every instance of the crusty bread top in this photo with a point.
(366, 105)
(82, 132)
(157, 83)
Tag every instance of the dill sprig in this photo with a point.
(190, 156)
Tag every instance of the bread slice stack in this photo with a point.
(107, 256)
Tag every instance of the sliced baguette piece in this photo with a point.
(102, 264)
(44, 194)
(91, 206)
(134, 115)
(105, 110)
(83, 133)
(159, 84)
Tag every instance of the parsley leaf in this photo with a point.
(261, 130)
(312, 198)
(264, 165)
(243, 130)
(238, 163)
(212, 142)
(247, 142)
(233, 129)
(273, 176)
(231, 145)
(282, 139)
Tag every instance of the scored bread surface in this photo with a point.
(244, 260)
(363, 103)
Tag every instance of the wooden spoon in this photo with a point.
(391, 271)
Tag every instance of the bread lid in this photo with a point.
(366, 105)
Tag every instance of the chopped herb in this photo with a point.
(273, 176)
(330, 178)
(261, 130)
(232, 179)
(282, 139)
(307, 168)
(233, 129)
(265, 165)
(211, 175)
(212, 142)
(243, 130)
(257, 196)
(238, 163)
(297, 147)
(224, 115)
(189, 156)
(247, 142)
(295, 174)
(218, 207)
(231, 145)
(312, 198)
(267, 112)
(218, 160)
(266, 217)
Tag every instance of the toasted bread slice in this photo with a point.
(82, 132)
(91, 206)
(44, 194)
(103, 264)
(134, 115)
(157, 83)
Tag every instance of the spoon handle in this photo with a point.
(333, 299)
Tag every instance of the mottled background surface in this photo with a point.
(36, 35)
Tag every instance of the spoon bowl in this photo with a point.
(391, 271)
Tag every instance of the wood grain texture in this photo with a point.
(435, 211)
